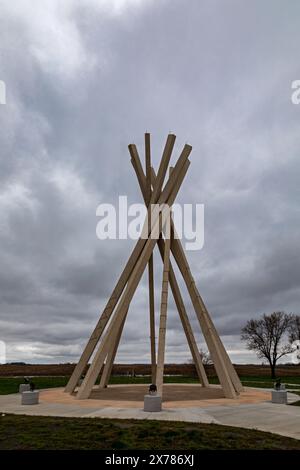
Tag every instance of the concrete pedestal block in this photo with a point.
(152, 403)
(24, 388)
(279, 396)
(30, 398)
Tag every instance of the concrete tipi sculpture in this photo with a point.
(103, 343)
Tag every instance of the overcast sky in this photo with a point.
(85, 79)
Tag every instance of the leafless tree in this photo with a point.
(294, 329)
(205, 357)
(266, 337)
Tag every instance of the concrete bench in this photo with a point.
(279, 396)
(152, 403)
(30, 398)
(24, 388)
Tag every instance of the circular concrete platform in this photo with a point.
(174, 396)
(171, 392)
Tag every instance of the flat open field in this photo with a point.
(188, 370)
(36, 432)
(56, 375)
(11, 384)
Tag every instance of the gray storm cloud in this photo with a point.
(85, 79)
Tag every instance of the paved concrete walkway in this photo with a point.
(265, 416)
(12, 404)
(279, 419)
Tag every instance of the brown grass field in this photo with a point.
(14, 370)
